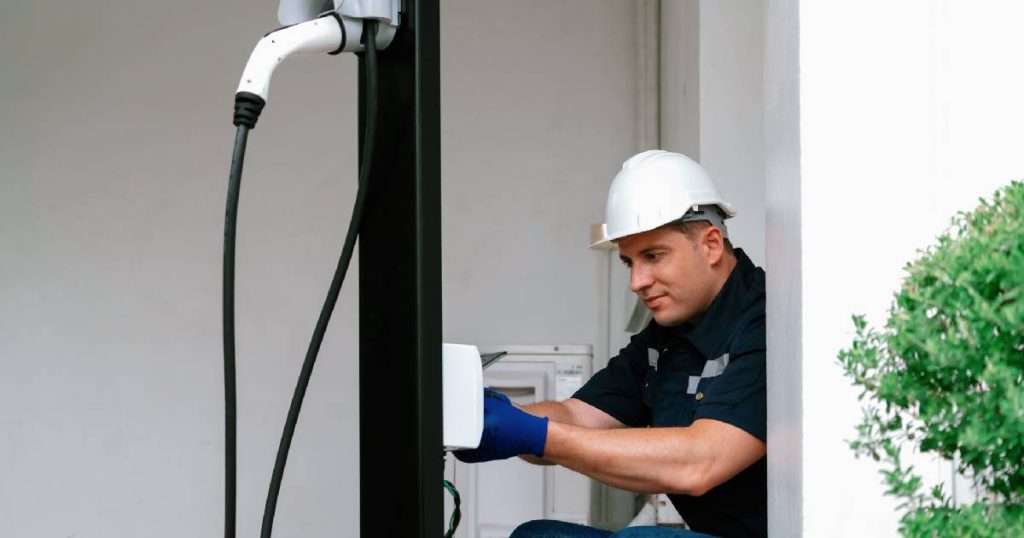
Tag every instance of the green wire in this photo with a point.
(453, 521)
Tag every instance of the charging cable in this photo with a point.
(328, 33)
(228, 301)
(369, 138)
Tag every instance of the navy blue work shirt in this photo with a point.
(715, 369)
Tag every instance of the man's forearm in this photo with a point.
(688, 460)
(644, 460)
(555, 411)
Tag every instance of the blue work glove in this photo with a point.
(508, 431)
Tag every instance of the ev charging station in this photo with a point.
(400, 289)
(398, 221)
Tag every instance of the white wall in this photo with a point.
(783, 224)
(538, 115)
(908, 113)
(869, 147)
(731, 114)
(680, 58)
(114, 156)
(115, 152)
(711, 99)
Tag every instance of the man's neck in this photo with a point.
(723, 269)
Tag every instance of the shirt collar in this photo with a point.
(737, 294)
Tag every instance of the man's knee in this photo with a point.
(532, 529)
(544, 528)
(656, 532)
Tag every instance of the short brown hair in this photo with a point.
(693, 228)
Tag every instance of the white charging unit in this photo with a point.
(499, 495)
(462, 388)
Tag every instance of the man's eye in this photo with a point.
(627, 263)
(651, 256)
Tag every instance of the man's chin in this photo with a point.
(667, 319)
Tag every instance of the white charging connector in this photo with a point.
(324, 34)
(310, 30)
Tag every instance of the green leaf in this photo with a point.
(946, 373)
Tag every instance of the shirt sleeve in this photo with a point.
(617, 389)
(737, 396)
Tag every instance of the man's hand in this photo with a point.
(508, 431)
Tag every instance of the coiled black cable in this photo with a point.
(369, 137)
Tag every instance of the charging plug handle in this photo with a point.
(324, 34)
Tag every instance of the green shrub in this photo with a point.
(945, 375)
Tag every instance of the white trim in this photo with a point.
(783, 262)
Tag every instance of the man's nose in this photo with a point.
(638, 280)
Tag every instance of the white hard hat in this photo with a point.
(657, 187)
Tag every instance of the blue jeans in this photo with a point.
(543, 528)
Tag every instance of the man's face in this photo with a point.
(671, 273)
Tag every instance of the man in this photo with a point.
(681, 409)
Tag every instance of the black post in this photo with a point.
(401, 462)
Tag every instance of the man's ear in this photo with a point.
(713, 243)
